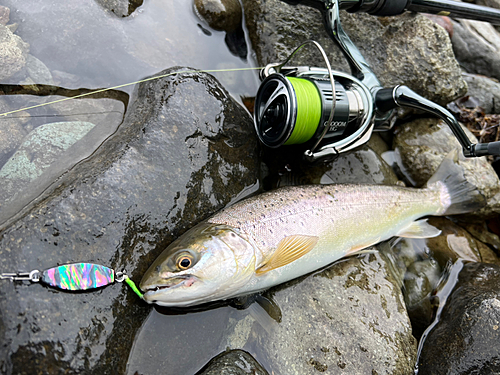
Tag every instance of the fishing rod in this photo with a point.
(332, 112)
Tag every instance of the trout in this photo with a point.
(280, 235)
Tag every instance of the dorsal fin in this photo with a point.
(288, 250)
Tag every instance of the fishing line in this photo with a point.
(126, 85)
(67, 115)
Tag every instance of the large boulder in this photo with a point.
(349, 318)
(465, 339)
(185, 150)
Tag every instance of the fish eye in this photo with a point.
(184, 262)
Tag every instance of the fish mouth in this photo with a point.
(173, 283)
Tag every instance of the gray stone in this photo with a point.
(185, 150)
(13, 53)
(477, 47)
(221, 15)
(422, 144)
(233, 362)
(120, 8)
(408, 49)
(486, 90)
(489, 3)
(465, 340)
(349, 318)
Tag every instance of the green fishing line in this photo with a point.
(132, 285)
(308, 110)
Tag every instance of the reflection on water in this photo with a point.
(180, 344)
(82, 44)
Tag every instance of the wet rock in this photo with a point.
(362, 166)
(4, 15)
(454, 243)
(121, 8)
(221, 15)
(486, 90)
(233, 362)
(481, 232)
(37, 152)
(13, 53)
(420, 280)
(477, 47)
(422, 144)
(350, 318)
(465, 340)
(408, 49)
(185, 150)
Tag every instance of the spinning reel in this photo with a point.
(333, 112)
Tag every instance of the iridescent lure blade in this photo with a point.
(78, 276)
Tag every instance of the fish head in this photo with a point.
(207, 263)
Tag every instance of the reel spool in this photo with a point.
(298, 106)
(295, 110)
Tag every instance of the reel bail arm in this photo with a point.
(402, 96)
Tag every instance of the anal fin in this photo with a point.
(288, 250)
(419, 229)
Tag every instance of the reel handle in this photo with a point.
(402, 96)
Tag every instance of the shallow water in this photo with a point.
(85, 46)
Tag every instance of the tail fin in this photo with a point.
(457, 194)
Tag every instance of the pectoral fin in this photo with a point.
(419, 229)
(289, 249)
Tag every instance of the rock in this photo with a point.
(362, 165)
(477, 47)
(80, 27)
(454, 243)
(11, 134)
(13, 53)
(4, 15)
(443, 21)
(422, 144)
(233, 362)
(480, 231)
(120, 8)
(409, 49)
(221, 15)
(38, 71)
(349, 318)
(465, 340)
(39, 150)
(489, 3)
(486, 90)
(185, 150)
(420, 281)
